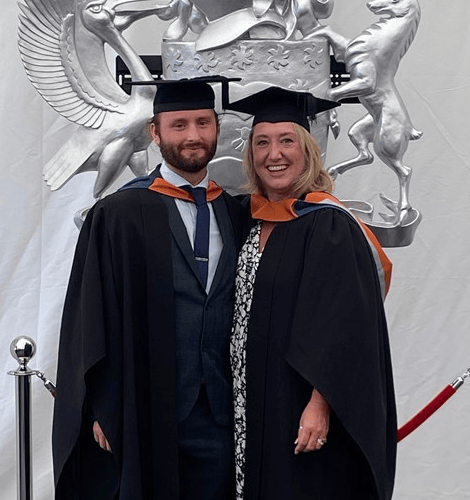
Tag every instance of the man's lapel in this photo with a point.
(180, 234)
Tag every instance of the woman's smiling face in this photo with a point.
(278, 158)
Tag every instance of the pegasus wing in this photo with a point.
(46, 44)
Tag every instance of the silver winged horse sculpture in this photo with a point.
(372, 60)
(62, 45)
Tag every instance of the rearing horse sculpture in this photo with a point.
(372, 60)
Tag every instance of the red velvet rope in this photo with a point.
(425, 413)
(412, 424)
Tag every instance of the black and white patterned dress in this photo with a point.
(247, 266)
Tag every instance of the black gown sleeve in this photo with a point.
(116, 356)
(339, 340)
(82, 346)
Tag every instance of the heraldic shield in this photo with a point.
(260, 52)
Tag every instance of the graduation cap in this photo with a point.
(188, 93)
(276, 104)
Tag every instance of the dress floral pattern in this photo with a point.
(247, 266)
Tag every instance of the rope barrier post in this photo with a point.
(23, 349)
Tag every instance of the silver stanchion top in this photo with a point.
(22, 348)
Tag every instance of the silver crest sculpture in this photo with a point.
(265, 42)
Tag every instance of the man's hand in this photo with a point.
(314, 424)
(99, 436)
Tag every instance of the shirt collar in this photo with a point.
(173, 178)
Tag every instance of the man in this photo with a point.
(143, 359)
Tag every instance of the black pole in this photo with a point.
(23, 349)
(23, 419)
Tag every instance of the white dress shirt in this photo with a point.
(188, 212)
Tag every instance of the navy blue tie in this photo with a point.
(201, 240)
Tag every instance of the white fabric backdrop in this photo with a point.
(428, 306)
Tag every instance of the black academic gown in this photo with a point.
(317, 320)
(117, 356)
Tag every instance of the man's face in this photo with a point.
(187, 139)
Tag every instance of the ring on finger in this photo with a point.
(321, 441)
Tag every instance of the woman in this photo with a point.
(314, 404)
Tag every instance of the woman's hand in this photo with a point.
(314, 424)
(99, 436)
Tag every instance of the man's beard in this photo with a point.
(172, 155)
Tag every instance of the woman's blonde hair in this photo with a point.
(314, 177)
